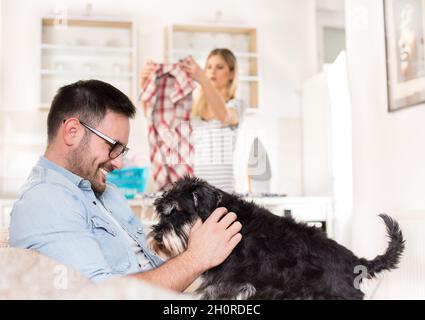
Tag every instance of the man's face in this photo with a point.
(91, 159)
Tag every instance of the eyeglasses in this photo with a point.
(117, 147)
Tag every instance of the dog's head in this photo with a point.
(178, 209)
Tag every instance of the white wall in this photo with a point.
(286, 47)
(389, 157)
(1, 82)
(316, 124)
(286, 40)
(388, 152)
(1, 50)
(330, 5)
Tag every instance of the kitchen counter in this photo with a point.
(313, 210)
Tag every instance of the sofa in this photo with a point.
(27, 274)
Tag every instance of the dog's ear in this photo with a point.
(195, 200)
(206, 200)
(165, 206)
(219, 198)
(170, 207)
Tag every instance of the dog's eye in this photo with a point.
(158, 238)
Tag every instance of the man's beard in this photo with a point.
(80, 164)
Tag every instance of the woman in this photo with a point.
(216, 114)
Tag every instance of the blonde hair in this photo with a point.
(200, 102)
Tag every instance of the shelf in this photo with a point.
(228, 29)
(44, 106)
(85, 49)
(91, 21)
(199, 40)
(252, 111)
(205, 53)
(46, 72)
(248, 78)
(37, 144)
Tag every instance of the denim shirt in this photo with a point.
(58, 214)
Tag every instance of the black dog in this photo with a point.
(278, 258)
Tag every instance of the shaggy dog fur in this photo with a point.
(278, 258)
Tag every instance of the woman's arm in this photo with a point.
(224, 114)
(145, 73)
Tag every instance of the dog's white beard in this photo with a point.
(173, 244)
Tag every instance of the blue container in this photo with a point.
(129, 181)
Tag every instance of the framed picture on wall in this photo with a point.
(405, 52)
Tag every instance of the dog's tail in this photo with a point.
(391, 258)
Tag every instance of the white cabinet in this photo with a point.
(81, 48)
(315, 211)
(199, 40)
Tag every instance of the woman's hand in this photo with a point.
(192, 68)
(146, 72)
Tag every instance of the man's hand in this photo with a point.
(211, 242)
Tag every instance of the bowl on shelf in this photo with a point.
(129, 181)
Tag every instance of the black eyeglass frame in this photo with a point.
(114, 143)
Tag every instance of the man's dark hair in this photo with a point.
(88, 101)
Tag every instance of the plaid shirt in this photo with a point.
(168, 91)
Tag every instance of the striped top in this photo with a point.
(214, 145)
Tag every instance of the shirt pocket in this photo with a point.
(113, 246)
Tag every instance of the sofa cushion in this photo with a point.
(27, 274)
(4, 237)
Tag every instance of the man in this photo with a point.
(67, 211)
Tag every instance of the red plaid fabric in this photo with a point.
(169, 92)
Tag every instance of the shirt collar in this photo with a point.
(75, 179)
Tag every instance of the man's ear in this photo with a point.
(72, 131)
